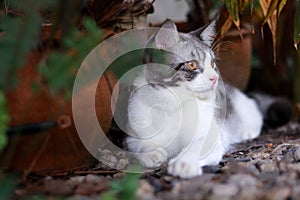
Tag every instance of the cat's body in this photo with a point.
(187, 118)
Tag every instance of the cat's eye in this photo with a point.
(192, 65)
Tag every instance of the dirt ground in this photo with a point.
(265, 168)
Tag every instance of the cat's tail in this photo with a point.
(276, 111)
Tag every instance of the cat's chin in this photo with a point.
(204, 94)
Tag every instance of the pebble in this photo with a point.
(278, 193)
(289, 167)
(145, 191)
(297, 154)
(93, 178)
(250, 193)
(224, 191)
(243, 180)
(296, 192)
(269, 167)
(76, 180)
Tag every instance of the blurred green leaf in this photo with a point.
(123, 189)
(297, 24)
(3, 121)
(233, 10)
(7, 183)
(127, 186)
(60, 68)
(20, 35)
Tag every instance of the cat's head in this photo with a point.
(192, 58)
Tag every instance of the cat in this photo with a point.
(180, 114)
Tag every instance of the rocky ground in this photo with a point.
(265, 168)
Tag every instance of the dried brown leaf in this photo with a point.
(272, 22)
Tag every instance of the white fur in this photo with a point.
(246, 122)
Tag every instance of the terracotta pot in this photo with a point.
(234, 57)
(58, 149)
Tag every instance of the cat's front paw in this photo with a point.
(153, 159)
(185, 168)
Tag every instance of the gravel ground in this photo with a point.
(265, 168)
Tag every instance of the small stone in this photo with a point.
(296, 192)
(93, 178)
(289, 167)
(269, 167)
(224, 190)
(243, 180)
(251, 193)
(289, 156)
(145, 191)
(251, 166)
(278, 193)
(76, 180)
(297, 154)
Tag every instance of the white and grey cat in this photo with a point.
(174, 113)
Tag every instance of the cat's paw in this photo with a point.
(248, 135)
(185, 168)
(154, 159)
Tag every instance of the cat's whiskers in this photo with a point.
(217, 45)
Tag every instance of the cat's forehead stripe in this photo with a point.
(200, 54)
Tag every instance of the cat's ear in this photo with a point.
(206, 33)
(167, 35)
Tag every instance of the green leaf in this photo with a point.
(7, 184)
(3, 121)
(297, 25)
(60, 67)
(233, 10)
(123, 189)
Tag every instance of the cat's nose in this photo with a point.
(213, 79)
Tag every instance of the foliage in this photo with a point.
(123, 189)
(233, 9)
(19, 37)
(7, 183)
(60, 68)
(271, 10)
(3, 121)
